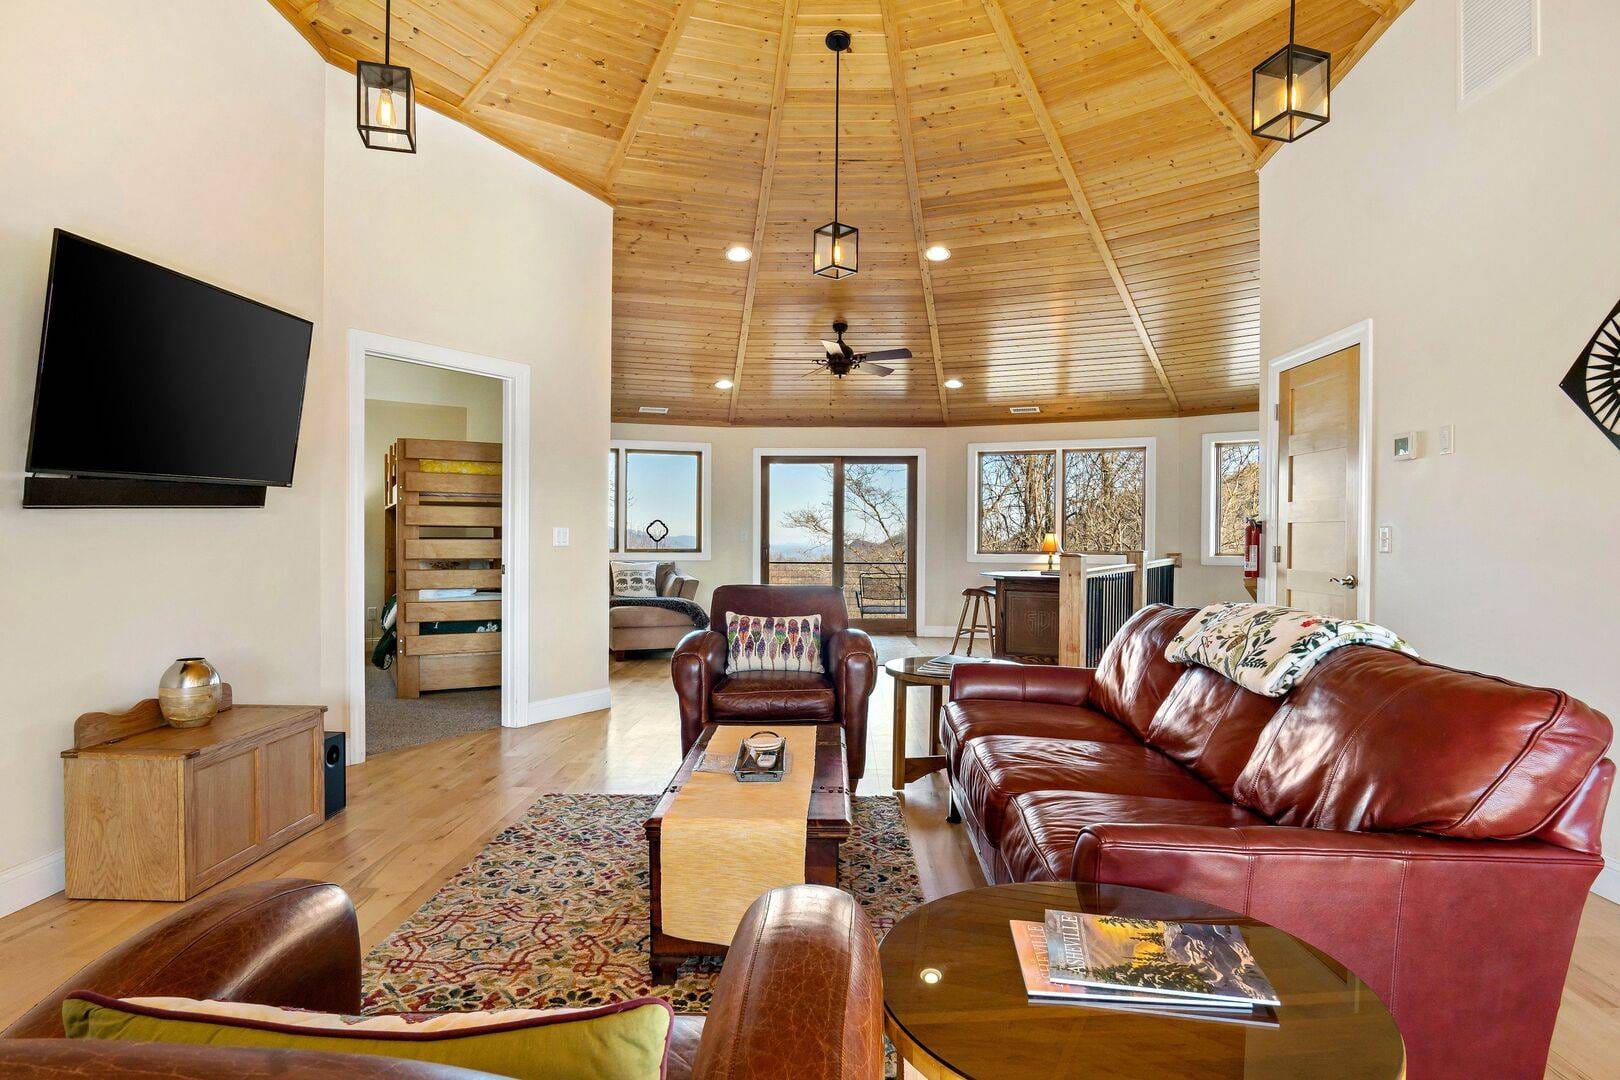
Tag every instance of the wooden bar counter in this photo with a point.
(161, 813)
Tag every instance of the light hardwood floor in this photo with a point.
(416, 816)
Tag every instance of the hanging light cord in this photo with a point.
(837, 71)
(388, 26)
(1291, 29)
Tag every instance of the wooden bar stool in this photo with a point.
(976, 602)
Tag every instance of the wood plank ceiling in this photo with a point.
(1087, 162)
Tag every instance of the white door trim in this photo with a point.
(917, 452)
(514, 528)
(1360, 334)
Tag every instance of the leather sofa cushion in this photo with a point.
(1376, 740)
(968, 719)
(1043, 826)
(1133, 677)
(997, 767)
(628, 617)
(684, 1037)
(1210, 724)
(773, 695)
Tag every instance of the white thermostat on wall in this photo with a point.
(1405, 446)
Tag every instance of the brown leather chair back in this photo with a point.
(824, 600)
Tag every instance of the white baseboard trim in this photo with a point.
(567, 705)
(937, 631)
(1607, 884)
(32, 881)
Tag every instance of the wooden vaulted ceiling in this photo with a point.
(1087, 162)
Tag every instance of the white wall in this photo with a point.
(466, 245)
(207, 136)
(945, 568)
(1482, 244)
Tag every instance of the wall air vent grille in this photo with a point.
(1496, 38)
(654, 410)
(1024, 410)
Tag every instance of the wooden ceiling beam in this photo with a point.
(773, 132)
(644, 100)
(1179, 61)
(919, 235)
(1343, 63)
(1060, 154)
(542, 14)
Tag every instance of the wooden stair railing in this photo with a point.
(1094, 602)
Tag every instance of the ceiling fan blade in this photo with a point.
(888, 354)
(816, 367)
(832, 348)
(876, 369)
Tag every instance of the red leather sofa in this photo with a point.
(1433, 829)
(802, 983)
(707, 695)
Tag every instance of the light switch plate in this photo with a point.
(1386, 538)
(1447, 444)
(559, 536)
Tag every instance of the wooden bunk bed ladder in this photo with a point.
(435, 485)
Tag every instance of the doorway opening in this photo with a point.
(846, 520)
(437, 544)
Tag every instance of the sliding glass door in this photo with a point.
(847, 521)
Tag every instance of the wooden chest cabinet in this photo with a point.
(161, 813)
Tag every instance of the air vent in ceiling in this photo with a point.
(1495, 39)
(654, 410)
(1024, 410)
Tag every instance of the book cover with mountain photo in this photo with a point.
(1194, 961)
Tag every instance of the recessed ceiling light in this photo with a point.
(953, 384)
(738, 253)
(724, 384)
(1024, 410)
(655, 410)
(937, 253)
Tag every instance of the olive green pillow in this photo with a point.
(625, 1039)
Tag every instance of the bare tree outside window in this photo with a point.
(1104, 499)
(874, 514)
(1237, 493)
(1016, 493)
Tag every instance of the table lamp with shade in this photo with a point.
(1049, 548)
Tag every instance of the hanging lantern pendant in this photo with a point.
(835, 247)
(1291, 90)
(386, 98)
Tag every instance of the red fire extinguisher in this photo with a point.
(1251, 550)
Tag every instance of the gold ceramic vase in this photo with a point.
(189, 692)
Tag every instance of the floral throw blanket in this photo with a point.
(1266, 649)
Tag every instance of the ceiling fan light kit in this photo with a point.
(1291, 90)
(385, 98)
(835, 247)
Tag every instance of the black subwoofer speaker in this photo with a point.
(336, 759)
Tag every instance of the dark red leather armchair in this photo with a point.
(708, 695)
(802, 983)
(1434, 830)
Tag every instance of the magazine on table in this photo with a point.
(1191, 962)
(1029, 939)
(943, 665)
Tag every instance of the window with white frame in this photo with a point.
(1231, 494)
(1096, 496)
(658, 498)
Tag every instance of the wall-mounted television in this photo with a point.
(145, 373)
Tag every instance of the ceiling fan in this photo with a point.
(841, 359)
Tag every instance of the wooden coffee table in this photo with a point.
(828, 821)
(955, 1006)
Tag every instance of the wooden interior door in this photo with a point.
(1319, 463)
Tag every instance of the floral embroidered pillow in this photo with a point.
(773, 643)
(1268, 650)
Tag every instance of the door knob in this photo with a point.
(1348, 581)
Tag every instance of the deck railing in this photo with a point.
(1094, 602)
(885, 589)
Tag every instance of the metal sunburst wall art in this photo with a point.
(1593, 384)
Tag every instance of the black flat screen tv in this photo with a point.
(148, 373)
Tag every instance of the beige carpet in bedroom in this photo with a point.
(394, 723)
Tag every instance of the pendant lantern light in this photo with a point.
(835, 250)
(1291, 90)
(386, 98)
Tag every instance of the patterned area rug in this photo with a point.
(553, 913)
